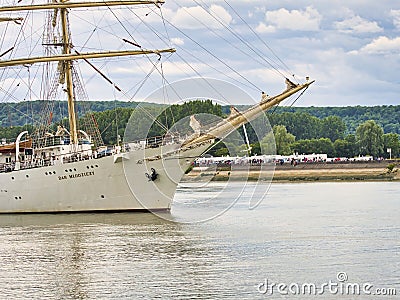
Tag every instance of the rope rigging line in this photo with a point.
(212, 67)
(217, 58)
(165, 95)
(301, 94)
(147, 56)
(191, 67)
(142, 108)
(14, 45)
(259, 54)
(205, 80)
(122, 25)
(209, 52)
(161, 71)
(165, 26)
(230, 43)
(186, 62)
(194, 70)
(19, 111)
(295, 100)
(90, 36)
(202, 61)
(259, 38)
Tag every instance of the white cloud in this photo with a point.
(197, 17)
(356, 24)
(177, 41)
(307, 20)
(182, 68)
(396, 17)
(262, 28)
(382, 45)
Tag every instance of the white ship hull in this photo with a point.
(112, 183)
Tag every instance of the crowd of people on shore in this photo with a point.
(293, 160)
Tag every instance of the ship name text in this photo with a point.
(76, 175)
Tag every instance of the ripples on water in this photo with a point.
(299, 233)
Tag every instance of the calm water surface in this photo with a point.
(300, 233)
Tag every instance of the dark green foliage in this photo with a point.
(301, 125)
(305, 126)
(391, 167)
(21, 113)
(112, 121)
(322, 145)
(342, 148)
(283, 140)
(175, 113)
(222, 152)
(333, 128)
(388, 116)
(391, 140)
(369, 137)
(255, 149)
(11, 133)
(352, 143)
(316, 129)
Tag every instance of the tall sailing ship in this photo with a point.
(64, 170)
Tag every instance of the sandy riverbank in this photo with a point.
(344, 171)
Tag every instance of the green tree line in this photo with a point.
(369, 139)
(302, 130)
(387, 116)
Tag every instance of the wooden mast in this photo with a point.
(67, 69)
(71, 56)
(67, 57)
(16, 20)
(66, 4)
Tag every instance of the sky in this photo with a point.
(351, 48)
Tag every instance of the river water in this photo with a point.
(300, 233)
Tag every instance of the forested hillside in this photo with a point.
(27, 112)
(21, 113)
(387, 116)
(337, 131)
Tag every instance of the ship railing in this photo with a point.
(4, 141)
(43, 162)
(48, 141)
(152, 142)
(51, 141)
(155, 142)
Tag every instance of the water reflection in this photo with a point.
(295, 235)
(28, 220)
(76, 256)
